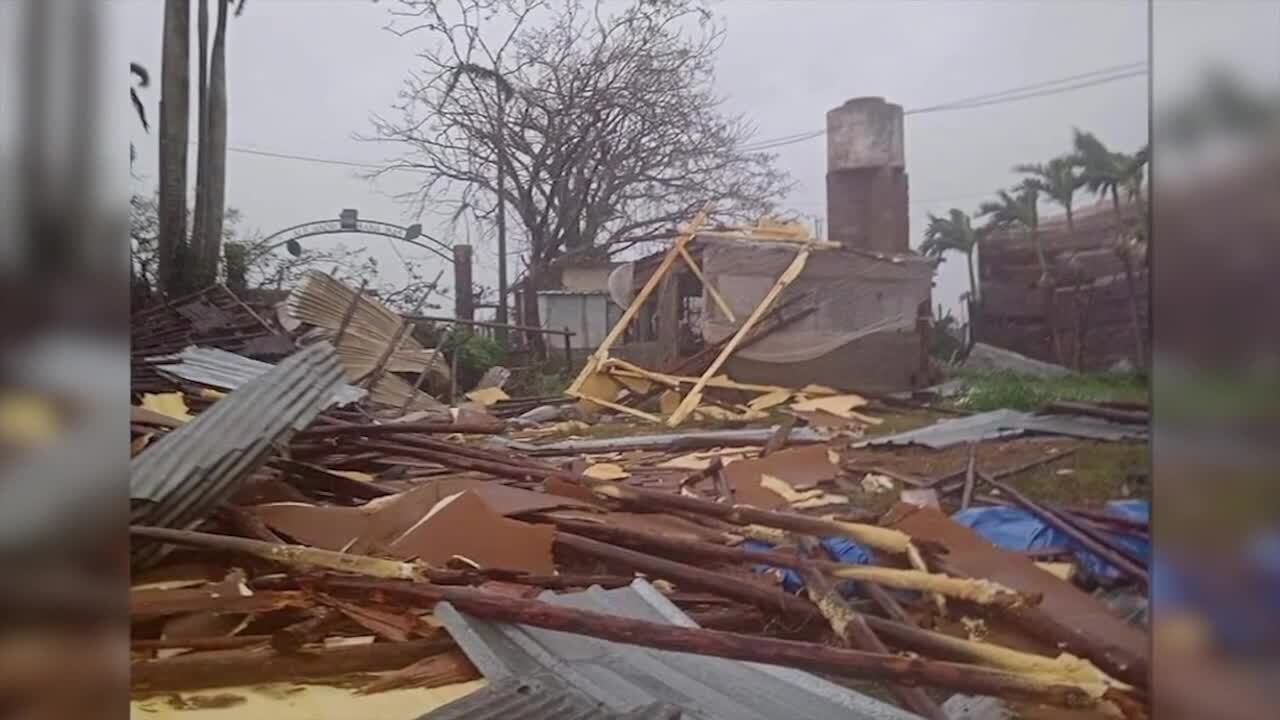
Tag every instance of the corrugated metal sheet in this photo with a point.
(179, 480)
(543, 696)
(227, 370)
(1008, 423)
(626, 678)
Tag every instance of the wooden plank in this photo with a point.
(629, 314)
(711, 289)
(615, 406)
(691, 400)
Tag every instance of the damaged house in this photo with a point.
(853, 315)
(1097, 314)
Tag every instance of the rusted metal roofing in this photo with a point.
(181, 478)
(227, 370)
(627, 678)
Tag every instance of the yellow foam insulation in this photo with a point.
(812, 389)
(487, 396)
(606, 471)
(298, 702)
(168, 404)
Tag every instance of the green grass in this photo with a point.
(995, 390)
(1099, 471)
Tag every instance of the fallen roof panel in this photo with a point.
(1008, 423)
(227, 370)
(181, 478)
(626, 678)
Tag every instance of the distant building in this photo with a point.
(1098, 306)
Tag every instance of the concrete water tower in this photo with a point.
(866, 176)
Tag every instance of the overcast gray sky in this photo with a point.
(304, 76)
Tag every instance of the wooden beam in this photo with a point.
(852, 630)
(619, 407)
(711, 289)
(812, 657)
(691, 400)
(602, 352)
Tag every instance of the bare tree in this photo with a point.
(603, 125)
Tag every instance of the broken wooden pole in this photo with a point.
(1093, 541)
(414, 428)
(966, 497)
(221, 668)
(778, 439)
(853, 631)
(767, 598)
(885, 539)
(945, 647)
(787, 653)
(1133, 417)
(980, 591)
(301, 557)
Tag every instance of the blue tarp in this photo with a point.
(841, 549)
(1016, 529)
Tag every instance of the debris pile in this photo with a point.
(308, 520)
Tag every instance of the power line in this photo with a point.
(1025, 92)
(291, 156)
(1048, 87)
(1136, 66)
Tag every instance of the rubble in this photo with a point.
(287, 530)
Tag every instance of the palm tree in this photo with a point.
(1058, 179)
(201, 211)
(1107, 173)
(1010, 211)
(1021, 210)
(210, 246)
(174, 119)
(954, 233)
(143, 80)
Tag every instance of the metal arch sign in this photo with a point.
(410, 234)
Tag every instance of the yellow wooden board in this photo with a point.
(487, 396)
(838, 405)
(770, 399)
(606, 471)
(281, 701)
(170, 404)
(694, 397)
